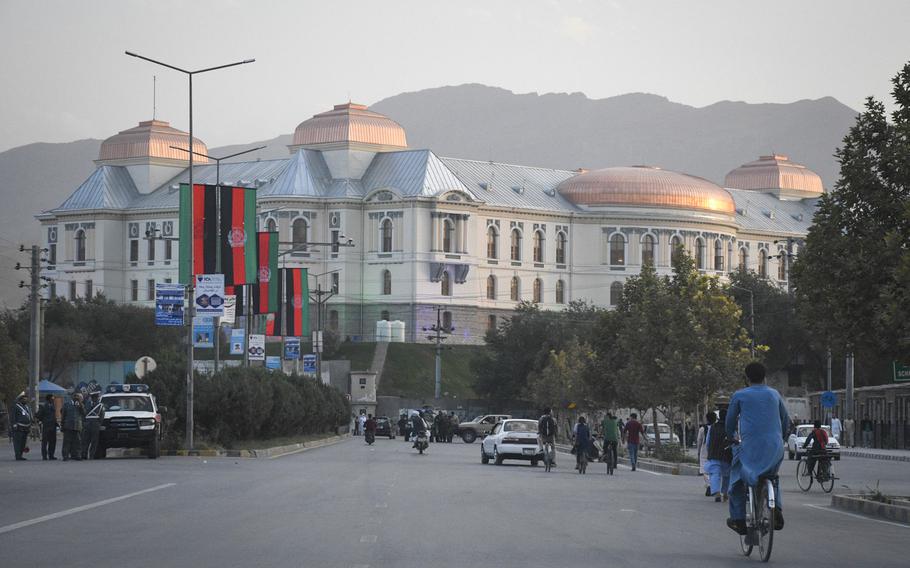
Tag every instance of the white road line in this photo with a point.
(830, 510)
(369, 538)
(638, 469)
(74, 510)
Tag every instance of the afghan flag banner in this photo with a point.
(265, 291)
(198, 232)
(294, 312)
(271, 327)
(238, 230)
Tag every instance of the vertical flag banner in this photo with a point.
(257, 347)
(238, 230)
(292, 348)
(237, 341)
(203, 331)
(237, 292)
(295, 309)
(198, 231)
(265, 291)
(209, 294)
(169, 304)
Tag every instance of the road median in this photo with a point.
(648, 464)
(259, 453)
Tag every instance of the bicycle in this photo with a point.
(548, 452)
(581, 458)
(610, 456)
(760, 518)
(824, 473)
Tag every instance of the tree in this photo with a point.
(852, 276)
(561, 383)
(13, 362)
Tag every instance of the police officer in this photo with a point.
(453, 425)
(71, 424)
(47, 416)
(20, 424)
(91, 430)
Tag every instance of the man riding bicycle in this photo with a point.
(758, 414)
(817, 441)
(611, 438)
(546, 434)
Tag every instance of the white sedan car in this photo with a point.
(798, 438)
(512, 439)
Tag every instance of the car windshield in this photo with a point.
(662, 428)
(520, 426)
(134, 403)
(804, 431)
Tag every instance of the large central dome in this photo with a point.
(642, 186)
(151, 140)
(350, 125)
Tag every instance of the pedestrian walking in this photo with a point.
(71, 424)
(701, 445)
(47, 417)
(361, 422)
(849, 431)
(720, 458)
(633, 432)
(836, 428)
(403, 427)
(20, 424)
(582, 441)
(453, 426)
(91, 430)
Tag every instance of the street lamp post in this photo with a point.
(189, 285)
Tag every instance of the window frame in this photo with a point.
(537, 291)
(491, 287)
(649, 245)
(515, 238)
(617, 254)
(492, 242)
(539, 246)
(515, 289)
(561, 247)
(560, 291)
(386, 235)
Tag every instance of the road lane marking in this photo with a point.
(638, 469)
(74, 510)
(628, 511)
(382, 505)
(830, 510)
(369, 538)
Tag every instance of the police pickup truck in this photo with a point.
(132, 419)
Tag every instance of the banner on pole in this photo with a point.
(257, 347)
(230, 309)
(292, 348)
(169, 304)
(273, 362)
(209, 298)
(309, 364)
(237, 340)
(203, 331)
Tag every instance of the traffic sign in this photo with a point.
(829, 399)
(144, 366)
(901, 372)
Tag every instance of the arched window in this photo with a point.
(448, 236)
(492, 238)
(538, 246)
(560, 292)
(730, 255)
(515, 289)
(385, 231)
(384, 316)
(516, 244)
(675, 247)
(743, 258)
(617, 250)
(782, 265)
(718, 255)
(80, 245)
(615, 293)
(271, 225)
(446, 284)
(386, 282)
(700, 253)
(491, 287)
(299, 233)
(560, 248)
(647, 250)
(538, 290)
(763, 263)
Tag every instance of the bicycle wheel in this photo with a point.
(745, 541)
(765, 524)
(803, 479)
(827, 481)
(746, 548)
(547, 457)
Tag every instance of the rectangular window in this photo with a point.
(335, 235)
(52, 255)
(52, 290)
(72, 291)
(168, 280)
(150, 292)
(151, 251)
(168, 250)
(335, 281)
(89, 289)
(134, 250)
(134, 290)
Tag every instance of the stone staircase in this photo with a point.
(379, 355)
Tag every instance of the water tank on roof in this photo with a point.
(397, 331)
(383, 331)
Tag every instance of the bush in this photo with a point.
(241, 404)
(670, 453)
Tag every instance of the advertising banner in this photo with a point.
(237, 341)
(169, 304)
(257, 347)
(203, 331)
(309, 364)
(273, 362)
(230, 309)
(209, 296)
(292, 348)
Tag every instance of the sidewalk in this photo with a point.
(876, 454)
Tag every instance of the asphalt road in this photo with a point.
(386, 506)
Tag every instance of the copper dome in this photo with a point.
(151, 139)
(776, 174)
(642, 186)
(350, 123)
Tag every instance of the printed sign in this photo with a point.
(169, 304)
(230, 309)
(203, 331)
(309, 363)
(292, 348)
(273, 362)
(829, 399)
(209, 296)
(257, 347)
(901, 372)
(237, 340)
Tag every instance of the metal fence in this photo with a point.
(881, 415)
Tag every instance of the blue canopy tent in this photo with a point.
(46, 387)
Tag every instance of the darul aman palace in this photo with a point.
(474, 237)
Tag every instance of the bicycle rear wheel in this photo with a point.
(803, 479)
(547, 457)
(765, 524)
(828, 483)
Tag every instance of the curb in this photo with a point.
(873, 456)
(266, 453)
(856, 504)
(650, 465)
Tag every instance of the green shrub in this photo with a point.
(670, 453)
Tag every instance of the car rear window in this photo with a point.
(521, 426)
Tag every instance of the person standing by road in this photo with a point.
(633, 432)
(719, 458)
(582, 441)
(47, 417)
(453, 426)
(403, 427)
(701, 447)
(836, 428)
(610, 430)
(868, 433)
(71, 424)
(20, 424)
(92, 426)
(849, 431)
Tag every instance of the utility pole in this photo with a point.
(439, 338)
(320, 298)
(848, 403)
(828, 380)
(34, 345)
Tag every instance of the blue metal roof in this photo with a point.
(765, 213)
(109, 187)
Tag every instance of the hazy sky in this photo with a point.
(65, 76)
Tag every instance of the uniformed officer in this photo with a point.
(91, 430)
(20, 424)
(73, 413)
(453, 426)
(47, 416)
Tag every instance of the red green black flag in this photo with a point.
(265, 291)
(198, 232)
(294, 312)
(238, 227)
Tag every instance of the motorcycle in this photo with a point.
(370, 437)
(423, 442)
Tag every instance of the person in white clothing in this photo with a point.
(701, 447)
(836, 428)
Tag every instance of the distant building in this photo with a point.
(472, 236)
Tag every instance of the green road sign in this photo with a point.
(901, 373)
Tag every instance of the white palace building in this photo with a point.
(474, 237)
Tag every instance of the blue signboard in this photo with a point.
(309, 363)
(291, 348)
(238, 339)
(273, 362)
(210, 294)
(168, 304)
(829, 399)
(203, 331)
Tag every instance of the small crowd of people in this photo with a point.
(79, 421)
(613, 431)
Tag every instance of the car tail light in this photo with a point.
(157, 418)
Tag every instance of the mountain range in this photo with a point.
(558, 130)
